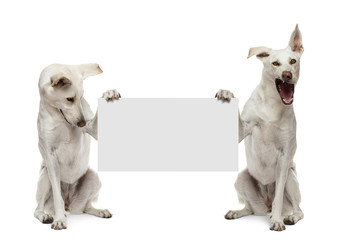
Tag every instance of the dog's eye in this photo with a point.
(293, 61)
(70, 99)
(276, 63)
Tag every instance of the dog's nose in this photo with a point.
(81, 123)
(286, 76)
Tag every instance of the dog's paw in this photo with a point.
(46, 219)
(59, 224)
(104, 213)
(43, 217)
(293, 219)
(224, 95)
(277, 226)
(232, 214)
(110, 95)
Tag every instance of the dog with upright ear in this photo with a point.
(270, 149)
(295, 44)
(296, 41)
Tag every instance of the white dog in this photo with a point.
(269, 184)
(65, 123)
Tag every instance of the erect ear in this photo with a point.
(260, 52)
(296, 41)
(59, 81)
(89, 69)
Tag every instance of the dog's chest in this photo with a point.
(264, 147)
(266, 134)
(73, 156)
(274, 124)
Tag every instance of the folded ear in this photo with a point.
(296, 41)
(59, 81)
(260, 52)
(89, 69)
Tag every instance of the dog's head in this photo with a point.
(61, 86)
(282, 66)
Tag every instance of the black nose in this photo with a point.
(286, 76)
(81, 123)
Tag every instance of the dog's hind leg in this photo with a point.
(248, 192)
(43, 194)
(293, 195)
(87, 191)
(234, 214)
(103, 213)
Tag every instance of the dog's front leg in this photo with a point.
(282, 169)
(276, 219)
(245, 126)
(53, 170)
(92, 125)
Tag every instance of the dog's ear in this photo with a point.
(59, 81)
(260, 52)
(89, 69)
(296, 43)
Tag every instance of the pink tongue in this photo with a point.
(286, 91)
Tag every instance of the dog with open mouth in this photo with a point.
(267, 124)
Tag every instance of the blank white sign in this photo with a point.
(168, 134)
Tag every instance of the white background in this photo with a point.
(167, 49)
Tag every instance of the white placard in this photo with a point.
(168, 134)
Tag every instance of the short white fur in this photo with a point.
(269, 184)
(65, 124)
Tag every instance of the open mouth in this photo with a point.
(285, 91)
